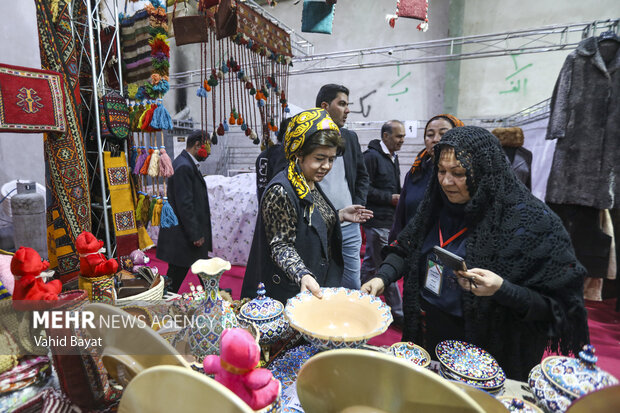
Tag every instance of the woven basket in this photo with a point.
(156, 292)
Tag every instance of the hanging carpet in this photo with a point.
(31, 100)
(68, 198)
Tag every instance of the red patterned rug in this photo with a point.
(31, 100)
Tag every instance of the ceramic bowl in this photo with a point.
(411, 352)
(355, 380)
(601, 401)
(165, 389)
(489, 403)
(342, 318)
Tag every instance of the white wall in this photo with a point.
(483, 87)
(21, 154)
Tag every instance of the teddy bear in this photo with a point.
(27, 266)
(235, 368)
(92, 262)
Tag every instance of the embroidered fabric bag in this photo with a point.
(317, 17)
(114, 116)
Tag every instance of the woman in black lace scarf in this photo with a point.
(523, 292)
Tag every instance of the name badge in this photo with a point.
(434, 272)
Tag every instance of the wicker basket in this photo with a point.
(156, 292)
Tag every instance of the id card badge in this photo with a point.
(434, 277)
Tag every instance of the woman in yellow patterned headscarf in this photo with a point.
(297, 243)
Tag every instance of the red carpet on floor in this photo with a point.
(603, 321)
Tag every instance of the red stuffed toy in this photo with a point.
(235, 368)
(26, 266)
(93, 263)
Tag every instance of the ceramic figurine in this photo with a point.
(213, 314)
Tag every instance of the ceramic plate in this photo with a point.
(547, 395)
(411, 352)
(517, 405)
(467, 360)
(488, 385)
(286, 367)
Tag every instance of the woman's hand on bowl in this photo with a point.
(374, 286)
(483, 283)
(355, 213)
(308, 283)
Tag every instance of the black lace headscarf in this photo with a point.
(513, 234)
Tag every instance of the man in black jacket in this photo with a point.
(180, 246)
(347, 182)
(383, 194)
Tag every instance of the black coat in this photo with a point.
(585, 119)
(384, 181)
(270, 161)
(187, 194)
(354, 167)
(310, 243)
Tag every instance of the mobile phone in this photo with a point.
(450, 260)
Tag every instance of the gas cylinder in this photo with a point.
(29, 225)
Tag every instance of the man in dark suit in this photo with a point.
(347, 182)
(180, 246)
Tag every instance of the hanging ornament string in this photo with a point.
(213, 99)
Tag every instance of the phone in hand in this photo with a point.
(450, 260)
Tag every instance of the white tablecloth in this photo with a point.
(234, 207)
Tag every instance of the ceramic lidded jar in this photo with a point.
(267, 314)
(213, 314)
(558, 381)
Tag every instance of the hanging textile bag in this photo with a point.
(114, 117)
(317, 17)
(189, 29)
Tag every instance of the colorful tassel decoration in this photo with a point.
(153, 169)
(133, 157)
(202, 92)
(140, 160)
(214, 137)
(161, 117)
(168, 218)
(226, 128)
(156, 218)
(144, 212)
(151, 209)
(144, 170)
(140, 204)
(165, 163)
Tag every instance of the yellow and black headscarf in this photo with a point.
(302, 126)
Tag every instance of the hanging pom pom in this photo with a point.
(220, 130)
(165, 163)
(207, 87)
(261, 103)
(391, 19)
(154, 164)
(423, 26)
(214, 138)
(168, 218)
(140, 160)
(231, 120)
(226, 128)
(287, 110)
(201, 92)
(145, 168)
(244, 126)
(248, 131)
(240, 75)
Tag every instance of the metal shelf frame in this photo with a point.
(87, 35)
